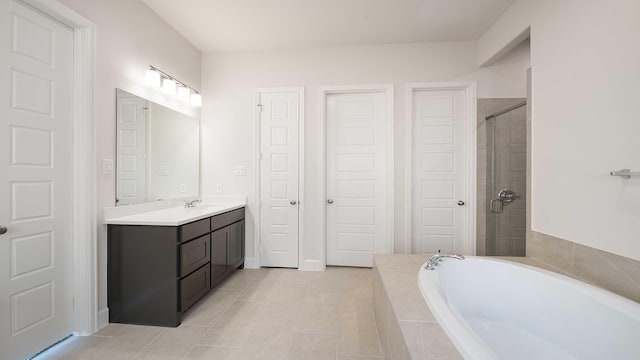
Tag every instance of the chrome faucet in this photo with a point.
(192, 203)
(435, 259)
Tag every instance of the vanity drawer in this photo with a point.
(193, 230)
(194, 254)
(227, 218)
(194, 286)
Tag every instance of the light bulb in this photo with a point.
(152, 78)
(184, 93)
(196, 100)
(169, 86)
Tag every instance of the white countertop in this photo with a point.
(177, 215)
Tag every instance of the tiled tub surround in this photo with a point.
(613, 272)
(408, 329)
(254, 314)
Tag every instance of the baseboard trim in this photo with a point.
(311, 265)
(251, 263)
(103, 318)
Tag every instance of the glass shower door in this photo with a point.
(506, 183)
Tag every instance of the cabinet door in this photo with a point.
(234, 245)
(218, 254)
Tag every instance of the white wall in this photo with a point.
(586, 116)
(174, 143)
(229, 83)
(130, 36)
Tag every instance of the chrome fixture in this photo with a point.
(435, 259)
(157, 78)
(293, 202)
(191, 204)
(3, 230)
(505, 197)
(460, 203)
(625, 173)
(506, 110)
(330, 201)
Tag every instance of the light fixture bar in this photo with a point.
(178, 82)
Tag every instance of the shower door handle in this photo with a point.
(497, 206)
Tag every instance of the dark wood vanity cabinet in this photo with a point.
(155, 273)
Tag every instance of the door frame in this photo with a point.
(388, 90)
(85, 271)
(254, 262)
(470, 89)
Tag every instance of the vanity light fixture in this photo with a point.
(169, 86)
(157, 78)
(152, 78)
(196, 100)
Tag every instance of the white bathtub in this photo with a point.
(493, 309)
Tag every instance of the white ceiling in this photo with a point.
(234, 25)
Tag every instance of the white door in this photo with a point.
(439, 171)
(132, 150)
(356, 178)
(36, 118)
(279, 123)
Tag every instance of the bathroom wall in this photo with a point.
(230, 80)
(130, 37)
(585, 123)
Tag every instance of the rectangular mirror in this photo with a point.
(157, 151)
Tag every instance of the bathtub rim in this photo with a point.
(472, 346)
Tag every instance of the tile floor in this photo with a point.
(255, 314)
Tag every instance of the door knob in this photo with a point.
(330, 201)
(292, 202)
(3, 230)
(460, 202)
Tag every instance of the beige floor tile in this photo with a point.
(210, 308)
(75, 348)
(127, 343)
(110, 330)
(174, 343)
(267, 343)
(241, 311)
(212, 352)
(313, 347)
(239, 280)
(317, 321)
(358, 334)
(234, 334)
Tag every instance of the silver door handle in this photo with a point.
(497, 206)
(330, 201)
(3, 230)
(293, 202)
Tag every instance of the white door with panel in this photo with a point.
(36, 122)
(356, 166)
(131, 119)
(279, 121)
(439, 171)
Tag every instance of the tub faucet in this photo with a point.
(192, 203)
(435, 259)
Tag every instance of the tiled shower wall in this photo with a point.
(613, 272)
(507, 229)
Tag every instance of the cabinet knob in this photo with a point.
(460, 202)
(3, 230)
(293, 202)
(330, 201)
